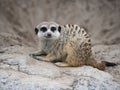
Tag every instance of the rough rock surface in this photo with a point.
(18, 71)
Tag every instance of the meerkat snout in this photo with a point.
(49, 35)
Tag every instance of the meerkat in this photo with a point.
(65, 45)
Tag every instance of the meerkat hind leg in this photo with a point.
(62, 64)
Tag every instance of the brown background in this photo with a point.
(19, 17)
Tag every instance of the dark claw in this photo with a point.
(32, 55)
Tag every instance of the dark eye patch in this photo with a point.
(43, 29)
(53, 29)
(59, 28)
(36, 30)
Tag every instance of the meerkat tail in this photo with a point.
(109, 64)
(95, 64)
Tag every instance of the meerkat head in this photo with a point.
(48, 30)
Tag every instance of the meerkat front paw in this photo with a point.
(31, 54)
(38, 53)
(37, 57)
(41, 58)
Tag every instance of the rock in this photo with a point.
(18, 71)
(91, 83)
(109, 53)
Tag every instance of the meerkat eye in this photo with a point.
(53, 29)
(43, 29)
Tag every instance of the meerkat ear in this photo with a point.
(36, 30)
(59, 28)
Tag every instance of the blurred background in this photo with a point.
(19, 17)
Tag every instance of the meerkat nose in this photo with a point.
(49, 35)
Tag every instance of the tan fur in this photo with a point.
(73, 48)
